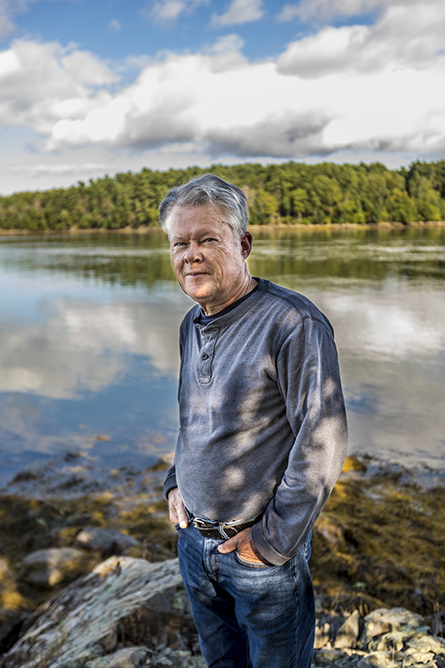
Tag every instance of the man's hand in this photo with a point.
(243, 544)
(176, 508)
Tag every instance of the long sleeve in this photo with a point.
(309, 380)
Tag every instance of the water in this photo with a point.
(89, 352)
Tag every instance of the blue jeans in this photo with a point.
(248, 615)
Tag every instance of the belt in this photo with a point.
(224, 530)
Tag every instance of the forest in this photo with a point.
(288, 193)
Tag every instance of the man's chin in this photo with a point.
(198, 295)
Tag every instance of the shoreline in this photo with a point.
(379, 542)
(145, 229)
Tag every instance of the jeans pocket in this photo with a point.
(251, 564)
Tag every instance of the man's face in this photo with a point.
(208, 259)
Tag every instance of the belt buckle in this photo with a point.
(205, 525)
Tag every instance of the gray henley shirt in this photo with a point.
(262, 418)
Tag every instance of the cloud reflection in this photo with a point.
(81, 347)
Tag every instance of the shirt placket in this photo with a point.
(207, 352)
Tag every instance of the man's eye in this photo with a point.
(178, 243)
(209, 239)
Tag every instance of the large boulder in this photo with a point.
(122, 603)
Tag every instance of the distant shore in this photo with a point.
(144, 229)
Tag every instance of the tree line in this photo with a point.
(287, 193)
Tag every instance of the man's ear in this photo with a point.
(246, 244)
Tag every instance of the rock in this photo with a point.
(105, 541)
(330, 657)
(384, 621)
(349, 632)
(379, 660)
(129, 657)
(388, 642)
(322, 634)
(167, 658)
(394, 638)
(327, 627)
(121, 603)
(48, 568)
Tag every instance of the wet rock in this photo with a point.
(48, 568)
(122, 602)
(105, 541)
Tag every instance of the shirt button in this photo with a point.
(204, 356)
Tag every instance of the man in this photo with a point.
(262, 437)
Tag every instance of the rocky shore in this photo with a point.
(88, 577)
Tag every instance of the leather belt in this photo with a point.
(224, 530)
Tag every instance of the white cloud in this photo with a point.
(232, 107)
(355, 88)
(240, 11)
(42, 82)
(405, 37)
(115, 25)
(166, 11)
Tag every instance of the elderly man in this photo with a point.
(262, 437)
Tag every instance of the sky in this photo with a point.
(95, 87)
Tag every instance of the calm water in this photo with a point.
(89, 353)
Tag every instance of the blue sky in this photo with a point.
(89, 87)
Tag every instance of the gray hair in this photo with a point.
(208, 189)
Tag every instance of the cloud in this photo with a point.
(405, 37)
(325, 10)
(166, 11)
(5, 24)
(233, 107)
(42, 82)
(240, 11)
(88, 355)
(8, 9)
(354, 88)
(115, 25)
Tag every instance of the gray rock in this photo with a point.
(128, 657)
(122, 601)
(48, 568)
(105, 541)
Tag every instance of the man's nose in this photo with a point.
(193, 253)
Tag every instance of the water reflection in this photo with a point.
(89, 328)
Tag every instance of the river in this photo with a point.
(89, 353)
